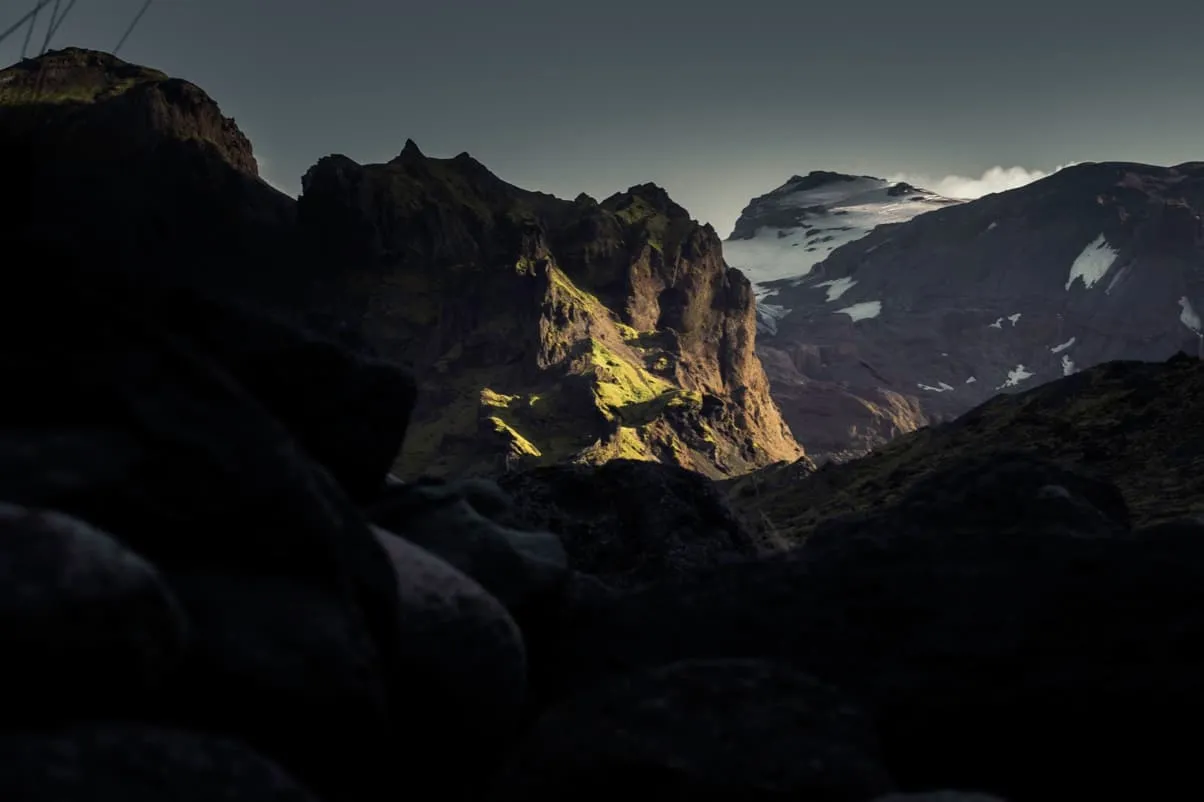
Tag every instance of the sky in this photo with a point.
(715, 102)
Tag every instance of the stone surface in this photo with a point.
(86, 626)
(702, 730)
(134, 763)
(631, 522)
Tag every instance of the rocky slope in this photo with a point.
(541, 330)
(212, 590)
(1136, 425)
(545, 330)
(919, 322)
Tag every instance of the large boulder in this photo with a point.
(87, 627)
(631, 522)
(458, 521)
(466, 667)
(120, 417)
(137, 763)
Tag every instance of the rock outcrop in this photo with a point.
(918, 322)
(125, 165)
(543, 330)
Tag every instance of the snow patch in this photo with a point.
(971, 380)
(998, 324)
(830, 215)
(992, 226)
(862, 311)
(1057, 349)
(940, 388)
(768, 316)
(1067, 365)
(1015, 376)
(1093, 263)
(766, 257)
(837, 287)
(1188, 316)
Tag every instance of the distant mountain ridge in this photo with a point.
(919, 321)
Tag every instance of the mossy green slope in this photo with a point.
(1139, 425)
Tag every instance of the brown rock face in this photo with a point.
(543, 329)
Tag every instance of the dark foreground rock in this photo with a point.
(72, 597)
(465, 657)
(982, 644)
(630, 522)
(117, 413)
(721, 729)
(187, 546)
(136, 763)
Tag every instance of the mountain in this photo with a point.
(920, 321)
(784, 233)
(126, 165)
(541, 329)
(546, 330)
(1133, 424)
(196, 508)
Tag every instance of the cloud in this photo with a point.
(995, 179)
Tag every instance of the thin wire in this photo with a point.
(58, 22)
(133, 25)
(54, 12)
(33, 22)
(17, 25)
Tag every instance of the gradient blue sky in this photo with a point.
(716, 102)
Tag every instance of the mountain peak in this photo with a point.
(826, 209)
(651, 197)
(410, 152)
(71, 75)
(819, 178)
(40, 94)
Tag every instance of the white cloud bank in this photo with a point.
(995, 179)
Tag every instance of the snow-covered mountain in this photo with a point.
(783, 234)
(922, 320)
